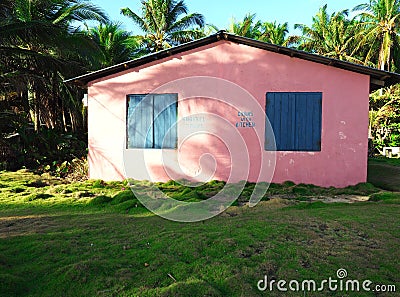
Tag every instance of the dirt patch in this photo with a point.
(345, 198)
(24, 225)
(342, 199)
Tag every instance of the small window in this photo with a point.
(295, 119)
(151, 121)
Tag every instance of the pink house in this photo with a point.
(230, 108)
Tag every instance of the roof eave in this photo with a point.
(378, 78)
(86, 78)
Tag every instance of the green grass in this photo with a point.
(387, 161)
(95, 239)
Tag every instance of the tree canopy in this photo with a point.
(165, 23)
(42, 42)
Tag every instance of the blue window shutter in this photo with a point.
(165, 117)
(308, 121)
(301, 122)
(314, 107)
(273, 114)
(295, 119)
(291, 117)
(140, 118)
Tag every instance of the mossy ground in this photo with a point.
(95, 239)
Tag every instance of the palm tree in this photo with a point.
(165, 23)
(379, 36)
(277, 34)
(207, 30)
(249, 27)
(268, 32)
(116, 44)
(380, 28)
(39, 46)
(330, 35)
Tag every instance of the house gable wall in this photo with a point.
(342, 160)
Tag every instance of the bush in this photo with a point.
(77, 169)
(48, 150)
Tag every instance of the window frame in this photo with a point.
(319, 121)
(144, 95)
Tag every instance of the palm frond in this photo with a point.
(135, 18)
(185, 36)
(188, 21)
(175, 10)
(80, 12)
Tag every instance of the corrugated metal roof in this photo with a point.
(378, 77)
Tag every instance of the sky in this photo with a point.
(220, 12)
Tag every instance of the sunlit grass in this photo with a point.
(96, 239)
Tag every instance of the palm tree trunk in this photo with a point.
(72, 121)
(382, 67)
(34, 106)
(64, 120)
(36, 113)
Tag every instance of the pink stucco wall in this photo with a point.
(342, 160)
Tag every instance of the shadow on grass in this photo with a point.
(384, 174)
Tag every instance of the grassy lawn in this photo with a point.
(95, 239)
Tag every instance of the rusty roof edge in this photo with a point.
(374, 73)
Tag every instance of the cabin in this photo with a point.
(230, 108)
